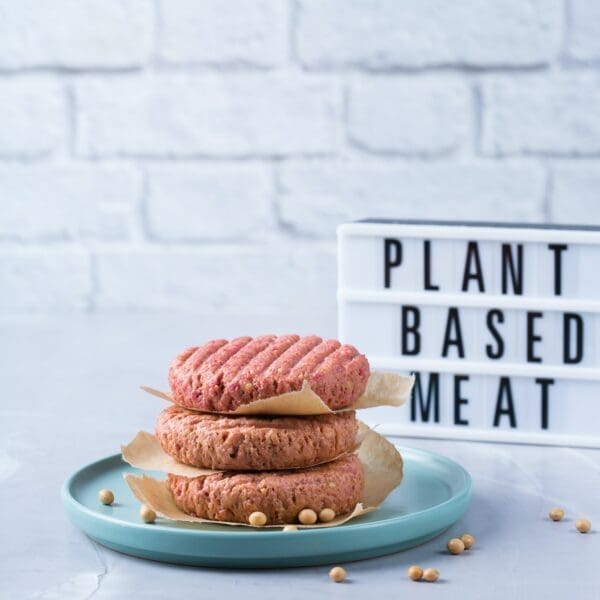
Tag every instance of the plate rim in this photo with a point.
(70, 503)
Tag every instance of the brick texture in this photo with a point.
(316, 198)
(543, 115)
(46, 203)
(74, 34)
(228, 279)
(44, 279)
(198, 156)
(32, 117)
(575, 194)
(583, 41)
(220, 202)
(209, 115)
(417, 33)
(409, 115)
(246, 32)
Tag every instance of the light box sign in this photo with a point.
(499, 323)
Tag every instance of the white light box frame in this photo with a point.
(499, 322)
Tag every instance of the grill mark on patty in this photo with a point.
(193, 365)
(275, 365)
(290, 342)
(340, 352)
(264, 359)
(354, 364)
(212, 369)
(306, 345)
(182, 369)
(313, 359)
(246, 355)
(220, 358)
(222, 375)
(189, 352)
(269, 384)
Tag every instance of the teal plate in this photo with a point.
(434, 494)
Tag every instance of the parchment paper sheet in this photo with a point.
(383, 472)
(383, 389)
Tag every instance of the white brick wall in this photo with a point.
(409, 115)
(583, 42)
(74, 201)
(541, 114)
(185, 115)
(76, 34)
(210, 202)
(198, 155)
(316, 197)
(32, 117)
(38, 278)
(292, 278)
(415, 33)
(222, 33)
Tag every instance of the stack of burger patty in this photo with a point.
(276, 465)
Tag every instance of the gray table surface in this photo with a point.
(70, 395)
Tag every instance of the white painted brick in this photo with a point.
(583, 37)
(317, 197)
(557, 115)
(575, 194)
(74, 34)
(227, 279)
(52, 202)
(249, 32)
(230, 115)
(415, 33)
(44, 279)
(424, 115)
(32, 117)
(210, 202)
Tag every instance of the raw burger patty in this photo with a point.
(280, 495)
(255, 443)
(220, 375)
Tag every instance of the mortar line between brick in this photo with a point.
(44, 71)
(434, 68)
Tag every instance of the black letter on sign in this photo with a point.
(427, 265)
(452, 335)
(469, 273)
(532, 338)
(497, 315)
(545, 409)
(458, 400)
(516, 273)
(411, 328)
(433, 395)
(391, 258)
(505, 390)
(568, 358)
(557, 249)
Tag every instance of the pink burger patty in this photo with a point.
(280, 495)
(255, 443)
(220, 375)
